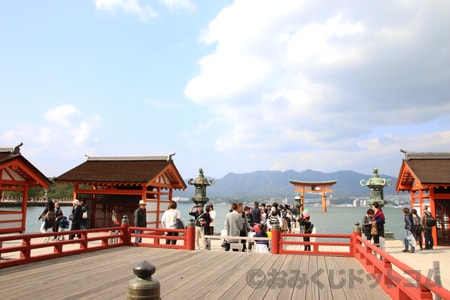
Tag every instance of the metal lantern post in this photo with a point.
(200, 184)
(376, 186)
(298, 202)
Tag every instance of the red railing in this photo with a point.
(294, 244)
(414, 286)
(26, 248)
(151, 237)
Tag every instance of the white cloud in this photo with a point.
(142, 11)
(61, 115)
(331, 82)
(145, 12)
(82, 133)
(64, 130)
(179, 4)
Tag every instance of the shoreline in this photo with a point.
(9, 203)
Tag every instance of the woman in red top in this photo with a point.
(379, 219)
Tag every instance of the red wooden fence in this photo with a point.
(26, 248)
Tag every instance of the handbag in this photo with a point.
(374, 229)
(223, 234)
(179, 224)
(411, 239)
(85, 215)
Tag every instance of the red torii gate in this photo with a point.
(303, 187)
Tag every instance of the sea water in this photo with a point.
(337, 219)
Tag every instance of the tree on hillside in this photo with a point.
(59, 191)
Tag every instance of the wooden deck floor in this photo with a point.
(192, 275)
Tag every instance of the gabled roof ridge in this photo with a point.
(12, 150)
(129, 157)
(427, 155)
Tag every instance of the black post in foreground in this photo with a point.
(144, 286)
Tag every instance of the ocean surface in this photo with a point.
(336, 220)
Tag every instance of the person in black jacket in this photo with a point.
(77, 218)
(48, 216)
(140, 219)
(58, 215)
(308, 230)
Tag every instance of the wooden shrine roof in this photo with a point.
(424, 169)
(125, 170)
(16, 168)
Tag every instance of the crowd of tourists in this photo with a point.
(418, 230)
(54, 220)
(248, 228)
(254, 223)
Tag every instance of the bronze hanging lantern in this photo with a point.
(200, 184)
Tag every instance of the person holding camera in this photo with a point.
(200, 221)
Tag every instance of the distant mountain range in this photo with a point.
(275, 184)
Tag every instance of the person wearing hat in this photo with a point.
(77, 213)
(140, 219)
(200, 221)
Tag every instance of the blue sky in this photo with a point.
(229, 86)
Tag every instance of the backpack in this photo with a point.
(431, 222)
(64, 223)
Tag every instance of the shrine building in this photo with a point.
(17, 174)
(426, 176)
(112, 187)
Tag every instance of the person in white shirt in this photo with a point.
(169, 220)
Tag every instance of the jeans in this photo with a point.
(173, 242)
(407, 243)
(138, 239)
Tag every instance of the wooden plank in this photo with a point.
(291, 278)
(241, 288)
(325, 292)
(313, 284)
(261, 276)
(201, 272)
(301, 284)
(357, 283)
(184, 275)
